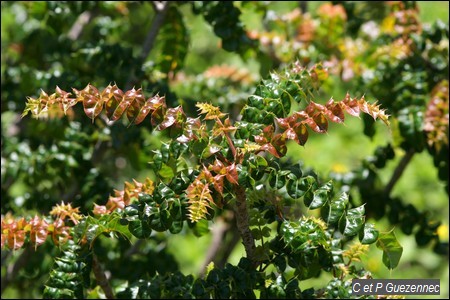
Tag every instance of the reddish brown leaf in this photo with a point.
(310, 122)
(279, 142)
(92, 102)
(283, 123)
(271, 149)
(205, 174)
(232, 174)
(302, 133)
(136, 104)
(310, 109)
(218, 183)
(171, 117)
(350, 105)
(290, 134)
(60, 232)
(302, 115)
(321, 122)
(334, 112)
(114, 96)
(65, 101)
(38, 231)
(16, 239)
(158, 115)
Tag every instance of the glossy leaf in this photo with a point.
(392, 250)
(336, 209)
(369, 234)
(321, 196)
(354, 220)
(297, 188)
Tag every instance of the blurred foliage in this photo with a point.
(235, 58)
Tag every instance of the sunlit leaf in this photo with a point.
(354, 220)
(392, 250)
(369, 234)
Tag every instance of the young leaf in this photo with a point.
(199, 196)
(212, 112)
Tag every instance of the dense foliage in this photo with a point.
(208, 154)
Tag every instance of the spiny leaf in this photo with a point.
(124, 197)
(212, 112)
(199, 196)
(436, 117)
(355, 252)
(115, 101)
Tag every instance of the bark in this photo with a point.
(161, 8)
(242, 223)
(101, 278)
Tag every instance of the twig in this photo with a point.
(161, 8)
(221, 246)
(218, 233)
(77, 28)
(101, 278)
(398, 171)
(229, 245)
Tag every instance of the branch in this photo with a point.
(161, 8)
(220, 249)
(221, 226)
(229, 246)
(101, 278)
(242, 223)
(398, 171)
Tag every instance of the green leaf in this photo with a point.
(392, 250)
(354, 220)
(211, 150)
(177, 217)
(157, 160)
(166, 172)
(115, 225)
(139, 229)
(200, 228)
(298, 188)
(321, 196)
(336, 209)
(369, 234)
(277, 180)
(198, 146)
